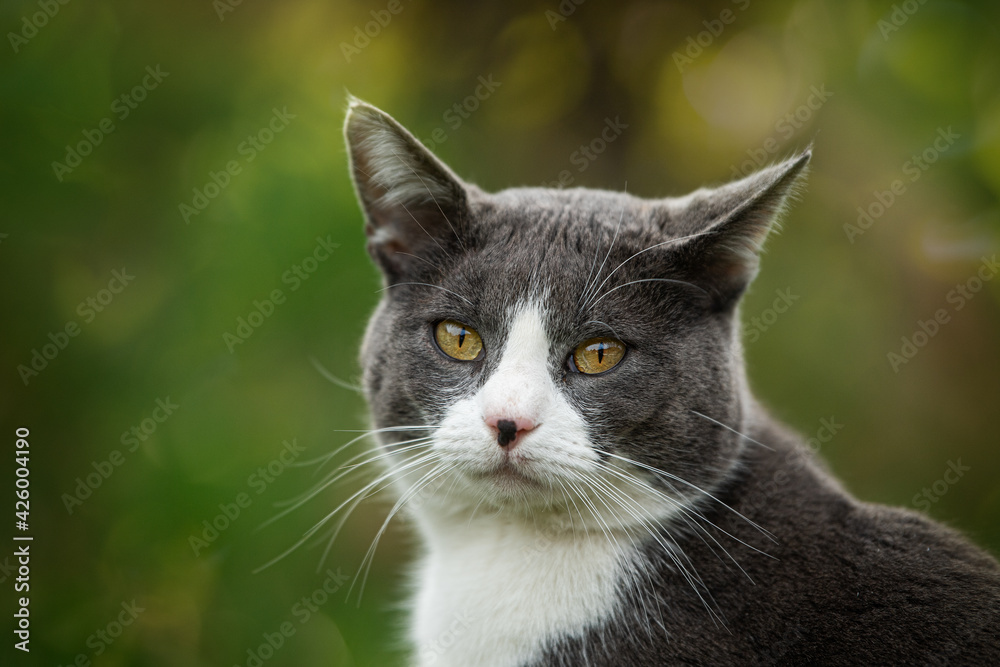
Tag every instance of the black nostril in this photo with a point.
(508, 432)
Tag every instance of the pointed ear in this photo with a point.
(414, 205)
(728, 226)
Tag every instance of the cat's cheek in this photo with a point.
(465, 438)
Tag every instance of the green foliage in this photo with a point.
(197, 148)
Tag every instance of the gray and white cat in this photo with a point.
(558, 376)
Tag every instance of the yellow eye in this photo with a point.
(458, 341)
(598, 355)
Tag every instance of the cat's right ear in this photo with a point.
(414, 205)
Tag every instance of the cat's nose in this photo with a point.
(509, 430)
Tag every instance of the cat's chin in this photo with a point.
(507, 476)
(503, 486)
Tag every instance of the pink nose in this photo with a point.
(509, 430)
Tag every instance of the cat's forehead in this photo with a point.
(578, 209)
(547, 252)
(543, 225)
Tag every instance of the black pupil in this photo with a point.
(600, 353)
(461, 337)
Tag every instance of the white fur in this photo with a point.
(511, 587)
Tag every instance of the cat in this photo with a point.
(557, 376)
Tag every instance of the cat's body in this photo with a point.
(559, 378)
(845, 583)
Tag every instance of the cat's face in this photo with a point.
(554, 347)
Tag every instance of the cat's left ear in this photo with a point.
(726, 226)
(414, 205)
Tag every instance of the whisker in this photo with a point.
(426, 285)
(693, 486)
(729, 428)
(648, 280)
(613, 493)
(332, 477)
(687, 510)
(365, 491)
(422, 259)
(387, 429)
(567, 498)
(333, 378)
(586, 285)
(420, 442)
(365, 433)
(614, 333)
(608, 533)
(656, 245)
(366, 563)
(692, 577)
(597, 276)
(337, 528)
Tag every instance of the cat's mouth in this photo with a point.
(507, 474)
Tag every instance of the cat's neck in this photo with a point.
(493, 591)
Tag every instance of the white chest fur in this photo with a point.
(493, 592)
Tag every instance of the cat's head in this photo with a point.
(537, 350)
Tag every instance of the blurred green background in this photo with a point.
(707, 90)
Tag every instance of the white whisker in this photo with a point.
(597, 276)
(426, 285)
(729, 428)
(648, 280)
(367, 490)
(333, 378)
(656, 245)
(650, 468)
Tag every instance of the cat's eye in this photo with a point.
(458, 341)
(598, 355)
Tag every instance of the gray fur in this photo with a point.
(843, 582)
